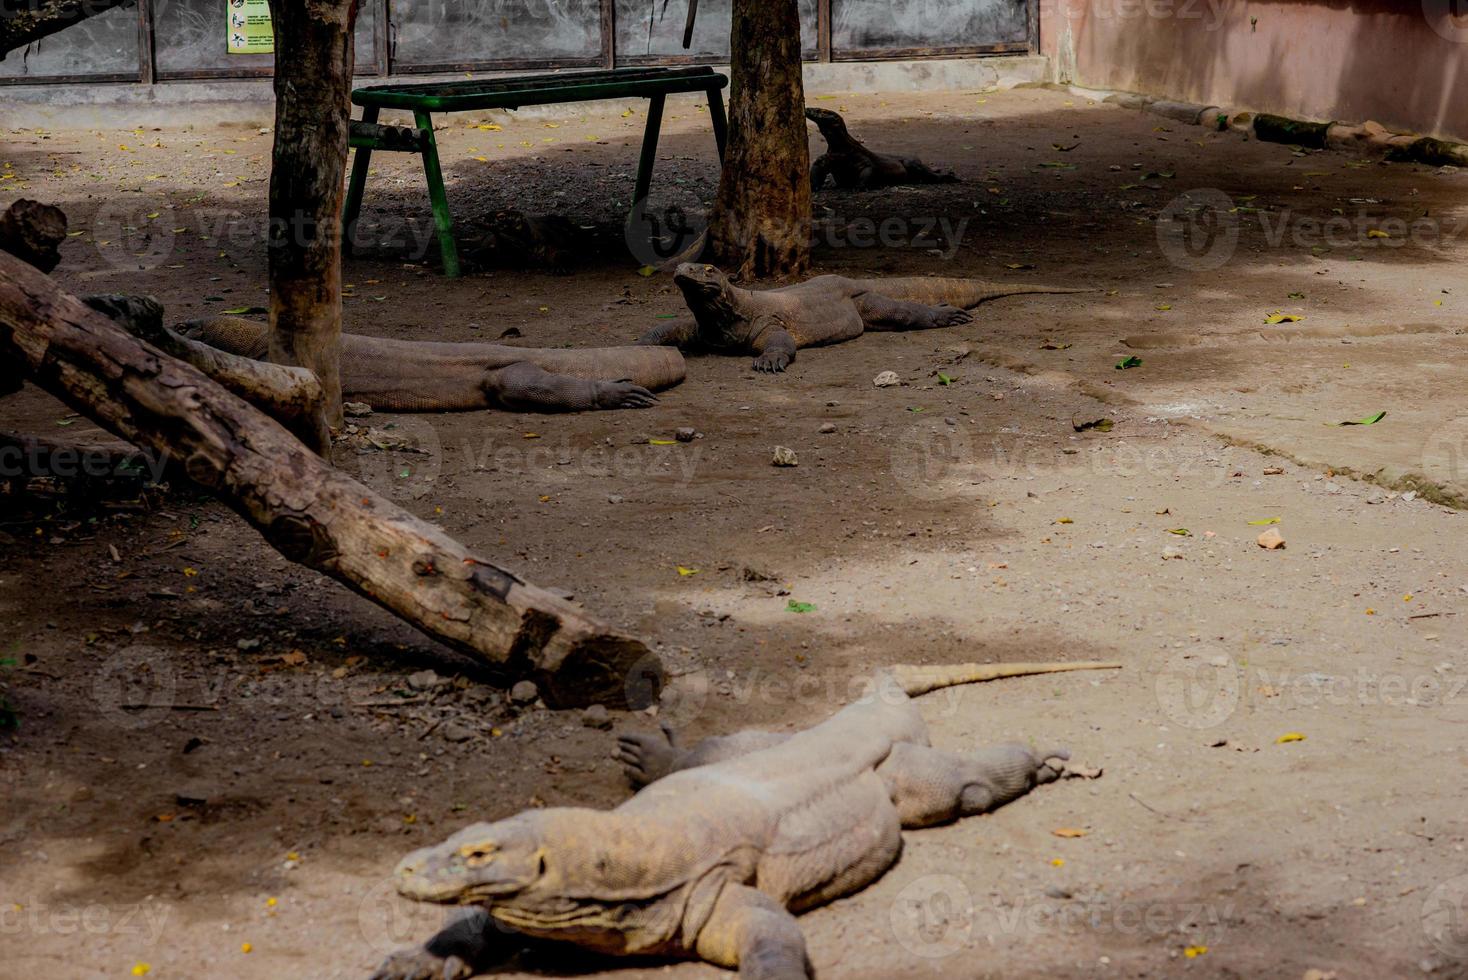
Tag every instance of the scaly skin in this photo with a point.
(425, 376)
(773, 323)
(852, 165)
(724, 843)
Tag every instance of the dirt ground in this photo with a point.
(243, 818)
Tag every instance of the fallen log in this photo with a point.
(293, 396)
(311, 513)
(33, 232)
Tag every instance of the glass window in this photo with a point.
(449, 32)
(104, 44)
(872, 25)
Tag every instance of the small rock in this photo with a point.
(1218, 743)
(887, 379)
(827, 428)
(524, 692)
(685, 434)
(425, 680)
(597, 716)
(1410, 496)
(455, 732)
(1271, 539)
(252, 643)
(950, 421)
(1168, 554)
(1273, 470)
(356, 410)
(614, 498)
(755, 575)
(784, 456)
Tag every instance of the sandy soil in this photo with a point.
(244, 821)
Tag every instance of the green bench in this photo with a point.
(424, 99)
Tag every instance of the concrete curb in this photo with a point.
(1368, 138)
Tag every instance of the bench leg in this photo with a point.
(649, 147)
(720, 121)
(355, 187)
(443, 221)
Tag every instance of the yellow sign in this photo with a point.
(249, 27)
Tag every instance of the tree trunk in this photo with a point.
(24, 21)
(761, 221)
(313, 83)
(310, 512)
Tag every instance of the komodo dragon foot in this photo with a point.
(647, 758)
(464, 947)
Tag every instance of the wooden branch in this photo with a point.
(310, 512)
(33, 232)
(290, 395)
(25, 21)
(313, 84)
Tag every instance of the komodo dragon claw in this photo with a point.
(623, 394)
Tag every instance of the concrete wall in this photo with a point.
(1403, 63)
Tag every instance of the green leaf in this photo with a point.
(799, 607)
(944, 379)
(1100, 425)
(1128, 362)
(246, 310)
(1368, 420)
(1181, 532)
(1264, 521)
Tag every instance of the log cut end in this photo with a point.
(616, 671)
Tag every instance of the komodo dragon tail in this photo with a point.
(918, 680)
(962, 293)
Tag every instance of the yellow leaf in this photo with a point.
(687, 571)
(1064, 520)
(545, 498)
(530, 435)
(661, 442)
(1192, 952)
(270, 903)
(1289, 737)
(1070, 832)
(1377, 233)
(245, 947)
(1164, 307)
(141, 969)
(1283, 318)
(1057, 862)
(190, 572)
(1407, 597)
(491, 127)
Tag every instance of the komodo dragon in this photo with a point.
(773, 323)
(425, 376)
(852, 165)
(725, 842)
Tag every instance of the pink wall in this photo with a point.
(1403, 63)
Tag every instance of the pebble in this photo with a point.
(827, 428)
(614, 498)
(424, 680)
(785, 456)
(455, 732)
(685, 434)
(356, 410)
(524, 692)
(1271, 539)
(253, 643)
(597, 716)
(887, 379)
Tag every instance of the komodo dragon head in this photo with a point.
(831, 125)
(710, 297)
(554, 872)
